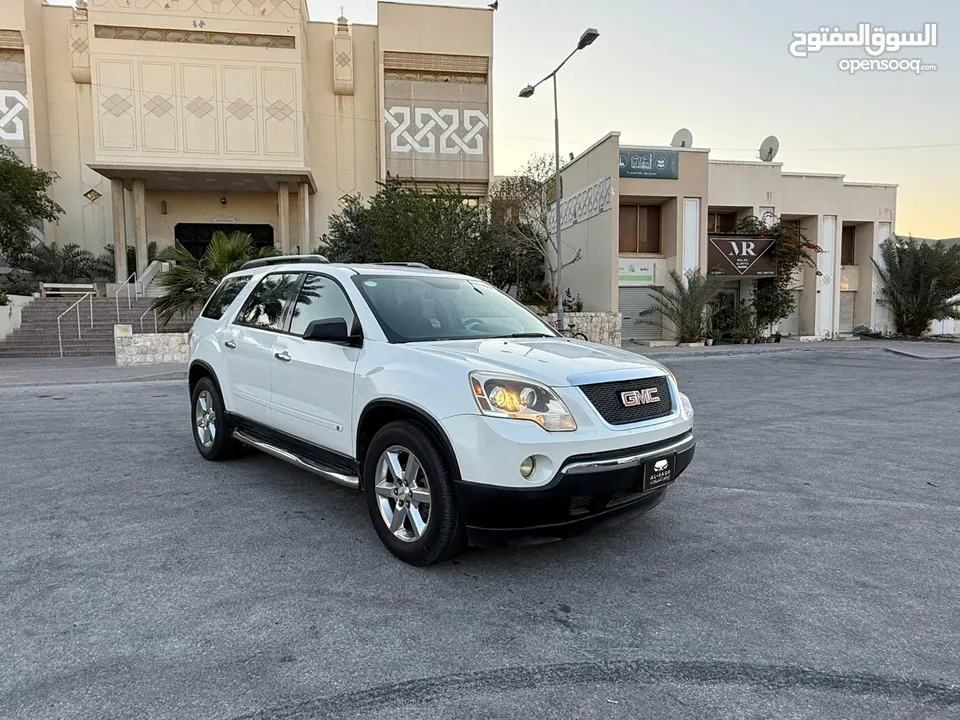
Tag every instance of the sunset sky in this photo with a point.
(722, 68)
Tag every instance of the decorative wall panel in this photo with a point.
(158, 106)
(279, 111)
(165, 110)
(198, 101)
(115, 104)
(80, 46)
(436, 130)
(253, 9)
(240, 110)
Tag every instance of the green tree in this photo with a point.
(24, 204)
(921, 283)
(55, 264)
(684, 305)
(442, 228)
(105, 264)
(522, 211)
(773, 299)
(189, 282)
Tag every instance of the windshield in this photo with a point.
(421, 308)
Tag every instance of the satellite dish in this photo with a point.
(769, 148)
(682, 138)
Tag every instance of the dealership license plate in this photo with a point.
(659, 471)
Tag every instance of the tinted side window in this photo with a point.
(264, 308)
(320, 299)
(223, 296)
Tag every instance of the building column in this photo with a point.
(283, 217)
(828, 282)
(119, 231)
(140, 224)
(303, 201)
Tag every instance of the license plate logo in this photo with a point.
(658, 472)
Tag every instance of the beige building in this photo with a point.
(169, 119)
(635, 213)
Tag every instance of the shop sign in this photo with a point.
(746, 256)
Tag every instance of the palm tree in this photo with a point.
(685, 305)
(53, 264)
(190, 282)
(921, 283)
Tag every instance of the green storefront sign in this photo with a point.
(652, 164)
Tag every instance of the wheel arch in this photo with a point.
(381, 412)
(200, 369)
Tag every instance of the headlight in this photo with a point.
(520, 399)
(686, 408)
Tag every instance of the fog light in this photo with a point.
(527, 466)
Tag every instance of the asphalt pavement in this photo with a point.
(807, 565)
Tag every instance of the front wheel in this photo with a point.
(410, 497)
(211, 432)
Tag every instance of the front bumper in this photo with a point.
(587, 492)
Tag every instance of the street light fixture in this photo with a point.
(586, 39)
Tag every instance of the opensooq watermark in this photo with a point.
(875, 42)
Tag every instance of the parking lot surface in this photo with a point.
(807, 565)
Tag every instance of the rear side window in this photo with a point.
(223, 296)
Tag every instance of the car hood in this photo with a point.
(558, 362)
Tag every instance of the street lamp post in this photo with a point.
(589, 35)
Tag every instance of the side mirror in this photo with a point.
(329, 330)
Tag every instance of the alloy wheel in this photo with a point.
(205, 418)
(403, 493)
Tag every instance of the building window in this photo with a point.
(725, 222)
(640, 229)
(848, 246)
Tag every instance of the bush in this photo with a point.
(684, 305)
(4, 300)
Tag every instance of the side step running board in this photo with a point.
(350, 481)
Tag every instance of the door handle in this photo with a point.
(230, 344)
(282, 355)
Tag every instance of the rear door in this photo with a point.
(249, 344)
(313, 380)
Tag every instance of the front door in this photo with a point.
(249, 345)
(313, 385)
(195, 237)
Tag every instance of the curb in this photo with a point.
(904, 353)
(675, 355)
(162, 377)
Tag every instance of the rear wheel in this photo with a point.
(211, 431)
(409, 491)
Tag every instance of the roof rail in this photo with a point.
(407, 264)
(283, 260)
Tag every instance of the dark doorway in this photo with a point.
(196, 236)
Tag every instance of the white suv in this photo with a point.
(461, 415)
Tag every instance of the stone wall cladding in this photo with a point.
(599, 327)
(148, 348)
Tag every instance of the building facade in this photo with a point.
(635, 213)
(170, 119)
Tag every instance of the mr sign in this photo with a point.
(741, 256)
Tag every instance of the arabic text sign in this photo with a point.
(873, 39)
(635, 271)
(649, 163)
(741, 256)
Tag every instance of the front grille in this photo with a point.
(607, 398)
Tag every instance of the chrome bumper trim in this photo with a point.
(627, 461)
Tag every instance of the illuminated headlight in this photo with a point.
(686, 409)
(520, 399)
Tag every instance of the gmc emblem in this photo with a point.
(632, 398)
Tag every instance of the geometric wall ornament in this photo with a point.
(240, 109)
(12, 104)
(92, 195)
(343, 59)
(117, 105)
(199, 108)
(158, 105)
(197, 37)
(279, 110)
(425, 130)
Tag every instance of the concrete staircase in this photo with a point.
(37, 335)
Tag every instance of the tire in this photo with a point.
(580, 336)
(214, 440)
(440, 535)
